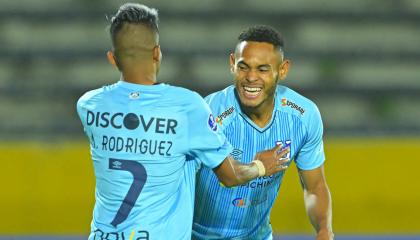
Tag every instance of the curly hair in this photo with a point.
(262, 33)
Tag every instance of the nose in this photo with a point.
(252, 76)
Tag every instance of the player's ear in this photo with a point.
(232, 62)
(284, 69)
(157, 54)
(111, 58)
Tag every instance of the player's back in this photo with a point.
(139, 140)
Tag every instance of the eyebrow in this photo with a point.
(259, 66)
(264, 65)
(244, 63)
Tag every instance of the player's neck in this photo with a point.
(137, 78)
(260, 115)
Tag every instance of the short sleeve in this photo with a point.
(311, 155)
(207, 142)
(81, 112)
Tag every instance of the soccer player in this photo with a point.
(143, 136)
(255, 113)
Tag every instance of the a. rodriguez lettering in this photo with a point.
(136, 145)
(131, 121)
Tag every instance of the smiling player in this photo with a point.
(255, 113)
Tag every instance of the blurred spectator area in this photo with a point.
(358, 60)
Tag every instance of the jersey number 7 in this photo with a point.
(139, 179)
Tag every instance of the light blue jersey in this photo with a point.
(243, 212)
(142, 141)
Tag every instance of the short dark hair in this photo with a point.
(134, 13)
(262, 33)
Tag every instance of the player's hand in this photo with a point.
(274, 160)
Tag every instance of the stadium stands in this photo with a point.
(358, 59)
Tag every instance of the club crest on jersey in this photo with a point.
(224, 115)
(286, 143)
(134, 95)
(236, 154)
(212, 123)
(288, 103)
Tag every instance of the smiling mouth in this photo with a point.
(252, 91)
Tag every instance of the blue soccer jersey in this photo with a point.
(243, 212)
(142, 140)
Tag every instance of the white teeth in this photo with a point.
(252, 89)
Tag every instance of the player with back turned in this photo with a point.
(143, 136)
(255, 113)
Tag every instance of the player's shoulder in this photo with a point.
(183, 93)
(90, 96)
(290, 101)
(95, 95)
(221, 95)
(224, 105)
(183, 96)
(224, 96)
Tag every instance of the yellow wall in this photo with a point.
(375, 185)
(48, 188)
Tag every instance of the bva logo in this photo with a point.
(239, 202)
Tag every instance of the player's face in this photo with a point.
(257, 67)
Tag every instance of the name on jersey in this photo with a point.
(136, 145)
(288, 103)
(131, 121)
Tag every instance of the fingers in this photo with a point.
(282, 161)
(280, 165)
(282, 152)
(282, 168)
(278, 147)
(275, 160)
(276, 169)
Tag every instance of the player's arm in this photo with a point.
(317, 201)
(232, 173)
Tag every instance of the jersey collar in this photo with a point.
(140, 87)
(247, 119)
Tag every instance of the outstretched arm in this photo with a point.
(317, 201)
(232, 173)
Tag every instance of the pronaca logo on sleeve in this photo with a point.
(224, 115)
(288, 103)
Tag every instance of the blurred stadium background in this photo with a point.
(359, 60)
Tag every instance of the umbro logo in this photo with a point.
(236, 154)
(116, 164)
